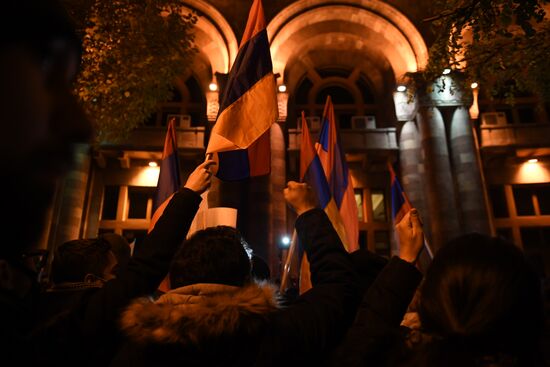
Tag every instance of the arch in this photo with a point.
(374, 27)
(214, 36)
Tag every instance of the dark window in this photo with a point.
(344, 120)
(110, 202)
(176, 95)
(524, 201)
(526, 115)
(359, 202)
(378, 205)
(382, 243)
(302, 91)
(498, 201)
(543, 196)
(339, 95)
(137, 201)
(363, 236)
(196, 94)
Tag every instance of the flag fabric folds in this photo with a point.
(248, 107)
(400, 204)
(169, 174)
(333, 161)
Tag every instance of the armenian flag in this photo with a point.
(240, 138)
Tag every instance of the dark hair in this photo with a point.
(480, 297)
(35, 22)
(75, 259)
(213, 255)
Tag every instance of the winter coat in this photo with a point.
(376, 337)
(218, 325)
(86, 333)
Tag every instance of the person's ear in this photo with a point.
(6, 275)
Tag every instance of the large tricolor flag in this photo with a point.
(248, 107)
(169, 174)
(336, 171)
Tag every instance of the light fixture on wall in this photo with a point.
(282, 88)
(153, 164)
(446, 71)
(213, 87)
(401, 88)
(474, 85)
(532, 160)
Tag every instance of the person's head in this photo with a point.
(213, 255)
(260, 268)
(480, 293)
(83, 260)
(41, 119)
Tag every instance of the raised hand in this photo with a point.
(299, 196)
(199, 179)
(410, 236)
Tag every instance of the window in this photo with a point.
(532, 199)
(363, 239)
(498, 201)
(138, 199)
(378, 205)
(110, 202)
(359, 202)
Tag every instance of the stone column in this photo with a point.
(439, 186)
(412, 170)
(67, 220)
(468, 177)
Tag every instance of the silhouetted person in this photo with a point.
(479, 305)
(217, 315)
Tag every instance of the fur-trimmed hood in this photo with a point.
(199, 313)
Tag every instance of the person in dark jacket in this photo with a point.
(479, 305)
(218, 316)
(86, 333)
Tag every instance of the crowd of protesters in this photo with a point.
(478, 304)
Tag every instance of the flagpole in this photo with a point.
(286, 267)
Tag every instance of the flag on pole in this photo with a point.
(240, 137)
(168, 183)
(400, 205)
(169, 173)
(333, 160)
